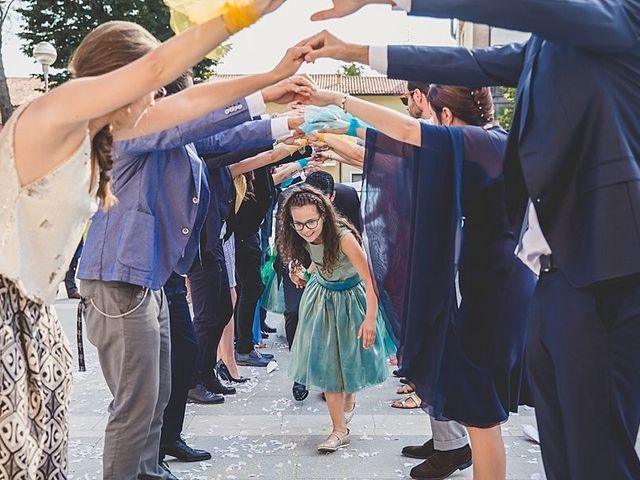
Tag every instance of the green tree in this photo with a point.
(352, 70)
(505, 113)
(6, 108)
(64, 23)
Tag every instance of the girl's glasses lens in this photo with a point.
(310, 224)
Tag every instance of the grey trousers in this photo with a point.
(448, 435)
(135, 358)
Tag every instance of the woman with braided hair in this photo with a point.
(465, 361)
(55, 158)
(338, 347)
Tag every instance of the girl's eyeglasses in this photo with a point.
(310, 224)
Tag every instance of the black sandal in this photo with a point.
(224, 374)
(299, 391)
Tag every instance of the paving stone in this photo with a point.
(263, 433)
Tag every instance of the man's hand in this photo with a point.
(326, 45)
(295, 122)
(296, 88)
(342, 8)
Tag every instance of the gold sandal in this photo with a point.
(334, 441)
(405, 390)
(412, 401)
(348, 415)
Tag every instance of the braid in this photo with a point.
(302, 198)
(101, 163)
(474, 106)
(477, 96)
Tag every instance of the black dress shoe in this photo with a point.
(398, 373)
(442, 465)
(299, 391)
(199, 394)
(266, 328)
(268, 356)
(223, 372)
(184, 452)
(170, 476)
(423, 451)
(214, 385)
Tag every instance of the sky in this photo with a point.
(260, 47)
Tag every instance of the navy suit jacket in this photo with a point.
(347, 203)
(574, 148)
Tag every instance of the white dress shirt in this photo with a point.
(532, 243)
(257, 107)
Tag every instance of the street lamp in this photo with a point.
(46, 55)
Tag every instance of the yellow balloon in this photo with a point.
(193, 12)
(186, 14)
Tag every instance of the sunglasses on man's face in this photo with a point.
(405, 98)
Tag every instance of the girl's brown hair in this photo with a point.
(291, 245)
(474, 106)
(108, 47)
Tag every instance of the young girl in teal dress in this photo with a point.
(338, 346)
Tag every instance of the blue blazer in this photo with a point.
(163, 197)
(574, 148)
(255, 134)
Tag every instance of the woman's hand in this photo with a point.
(322, 98)
(295, 88)
(290, 63)
(368, 332)
(342, 8)
(314, 165)
(326, 45)
(267, 6)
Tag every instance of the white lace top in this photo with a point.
(41, 223)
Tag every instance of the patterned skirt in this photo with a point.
(35, 389)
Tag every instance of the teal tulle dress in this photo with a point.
(326, 353)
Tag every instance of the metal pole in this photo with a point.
(45, 70)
